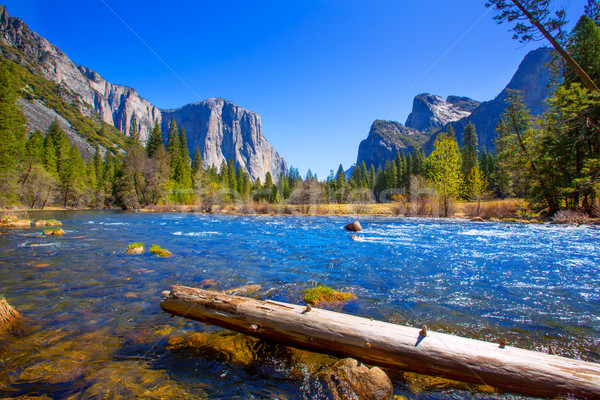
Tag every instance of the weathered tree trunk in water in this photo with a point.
(389, 345)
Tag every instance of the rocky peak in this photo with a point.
(385, 140)
(431, 112)
(222, 131)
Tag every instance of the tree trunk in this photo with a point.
(389, 345)
(587, 81)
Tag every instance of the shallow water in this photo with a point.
(94, 329)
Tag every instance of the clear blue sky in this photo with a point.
(317, 71)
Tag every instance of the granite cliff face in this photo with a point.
(431, 112)
(385, 140)
(532, 79)
(115, 104)
(222, 130)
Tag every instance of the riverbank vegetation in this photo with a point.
(552, 162)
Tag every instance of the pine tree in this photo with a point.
(592, 10)
(469, 157)
(12, 121)
(186, 170)
(340, 185)
(34, 148)
(134, 132)
(231, 177)
(155, 140)
(584, 46)
(197, 163)
(174, 151)
(50, 162)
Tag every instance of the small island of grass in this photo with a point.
(159, 251)
(135, 248)
(323, 294)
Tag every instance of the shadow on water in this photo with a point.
(92, 326)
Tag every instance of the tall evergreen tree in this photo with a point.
(469, 157)
(155, 140)
(197, 163)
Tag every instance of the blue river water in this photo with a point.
(87, 304)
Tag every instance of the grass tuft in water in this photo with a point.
(159, 251)
(324, 294)
(135, 248)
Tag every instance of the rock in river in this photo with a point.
(353, 227)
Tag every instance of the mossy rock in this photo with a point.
(48, 222)
(159, 251)
(135, 248)
(324, 294)
(54, 232)
(12, 221)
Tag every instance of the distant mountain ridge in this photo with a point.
(431, 114)
(120, 105)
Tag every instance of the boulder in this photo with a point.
(353, 227)
(351, 379)
(477, 219)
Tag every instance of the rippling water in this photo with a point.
(94, 328)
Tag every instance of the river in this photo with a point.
(93, 328)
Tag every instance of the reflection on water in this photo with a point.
(93, 327)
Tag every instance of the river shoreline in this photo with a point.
(508, 211)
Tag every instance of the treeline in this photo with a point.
(553, 160)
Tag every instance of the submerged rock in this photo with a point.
(351, 379)
(353, 227)
(7, 313)
(243, 290)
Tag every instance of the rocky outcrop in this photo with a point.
(115, 104)
(431, 112)
(39, 117)
(222, 131)
(532, 79)
(385, 140)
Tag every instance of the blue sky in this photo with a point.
(319, 72)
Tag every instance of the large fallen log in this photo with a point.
(389, 345)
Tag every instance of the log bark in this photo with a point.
(389, 345)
